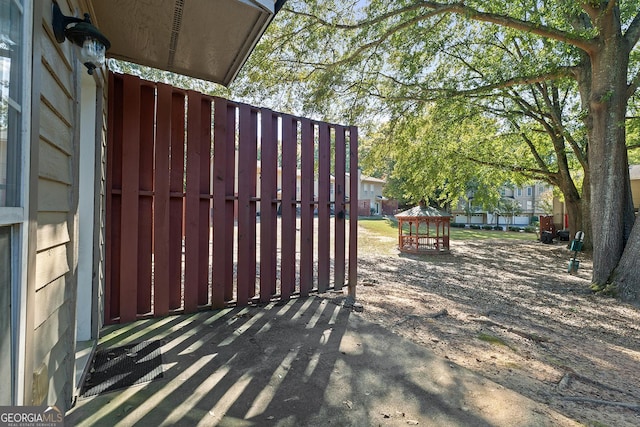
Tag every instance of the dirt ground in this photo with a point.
(508, 310)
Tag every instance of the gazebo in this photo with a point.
(423, 230)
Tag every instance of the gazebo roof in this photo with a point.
(422, 212)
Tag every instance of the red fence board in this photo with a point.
(353, 217)
(247, 153)
(191, 179)
(324, 168)
(145, 199)
(204, 202)
(268, 204)
(307, 206)
(161, 202)
(112, 219)
(230, 202)
(220, 238)
(288, 207)
(129, 199)
(176, 200)
(192, 264)
(339, 208)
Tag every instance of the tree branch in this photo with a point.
(592, 11)
(528, 172)
(532, 148)
(631, 406)
(516, 81)
(555, 116)
(379, 40)
(633, 33)
(469, 12)
(443, 92)
(517, 24)
(611, 5)
(369, 22)
(633, 86)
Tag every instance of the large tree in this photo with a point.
(511, 136)
(394, 53)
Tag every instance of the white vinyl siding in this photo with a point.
(56, 235)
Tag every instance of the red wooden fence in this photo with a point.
(187, 175)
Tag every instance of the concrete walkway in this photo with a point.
(308, 362)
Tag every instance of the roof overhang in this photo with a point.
(206, 39)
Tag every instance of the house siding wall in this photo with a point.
(53, 334)
(371, 191)
(52, 349)
(530, 206)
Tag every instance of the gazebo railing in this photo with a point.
(421, 243)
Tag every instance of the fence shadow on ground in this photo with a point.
(304, 362)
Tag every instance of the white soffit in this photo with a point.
(206, 39)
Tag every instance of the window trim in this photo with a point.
(11, 215)
(21, 350)
(17, 217)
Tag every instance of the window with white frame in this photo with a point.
(529, 191)
(11, 12)
(14, 95)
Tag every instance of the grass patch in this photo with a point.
(492, 339)
(608, 290)
(383, 226)
(380, 237)
(389, 228)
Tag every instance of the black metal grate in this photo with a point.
(120, 367)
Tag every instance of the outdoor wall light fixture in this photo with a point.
(91, 43)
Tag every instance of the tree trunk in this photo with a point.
(586, 211)
(574, 212)
(626, 277)
(629, 211)
(607, 149)
(574, 203)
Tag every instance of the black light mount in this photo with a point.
(92, 44)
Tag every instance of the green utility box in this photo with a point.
(576, 246)
(574, 264)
